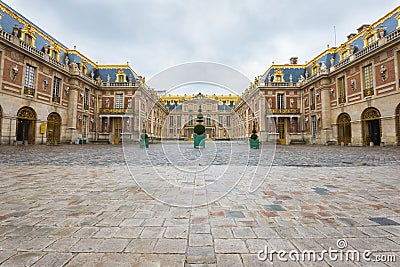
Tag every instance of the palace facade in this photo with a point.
(346, 95)
(52, 94)
(217, 111)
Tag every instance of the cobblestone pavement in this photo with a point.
(84, 205)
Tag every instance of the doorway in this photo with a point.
(281, 131)
(371, 126)
(344, 129)
(26, 118)
(117, 130)
(53, 128)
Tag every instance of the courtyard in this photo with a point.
(172, 205)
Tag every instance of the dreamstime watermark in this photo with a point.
(332, 254)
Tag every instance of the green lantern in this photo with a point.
(254, 141)
(144, 138)
(199, 132)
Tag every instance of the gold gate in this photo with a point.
(26, 118)
(371, 126)
(117, 130)
(281, 130)
(53, 128)
(344, 128)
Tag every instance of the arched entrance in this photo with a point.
(371, 126)
(344, 129)
(26, 118)
(53, 128)
(398, 124)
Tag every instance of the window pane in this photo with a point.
(119, 101)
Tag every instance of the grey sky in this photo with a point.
(156, 34)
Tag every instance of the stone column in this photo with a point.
(72, 133)
(136, 115)
(326, 134)
(263, 114)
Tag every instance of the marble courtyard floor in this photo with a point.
(106, 205)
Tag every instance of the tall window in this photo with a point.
(342, 90)
(228, 120)
(280, 101)
(208, 120)
(171, 120)
(30, 80)
(314, 126)
(368, 80)
(86, 99)
(312, 99)
(119, 101)
(220, 120)
(56, 90)
(191, 120)
(178, 121)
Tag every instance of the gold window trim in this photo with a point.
(55, 48)
(278, 73)
(28, 30)
(370, 31)
(120, 74)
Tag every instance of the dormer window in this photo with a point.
(83, 67)
(370, 39)
(28, 35)
(28, 39)
(345, 54)
(314, 68)
(55, 55)
(278, 76)
(55, 51)
(121, 76)
(371, 35)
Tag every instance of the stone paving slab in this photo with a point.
(62, 207)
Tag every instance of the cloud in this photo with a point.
(156, 34)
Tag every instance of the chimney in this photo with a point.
(362, 27)
(351, 35)
(293, 60)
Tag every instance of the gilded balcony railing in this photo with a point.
(29, 91)
(113, 111)
(286, 111)
(56, 99)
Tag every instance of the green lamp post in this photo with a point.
(254, 141)
(199, 131)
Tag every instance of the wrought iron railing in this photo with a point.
(113, 111)
(29, 91)
(286, 111)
